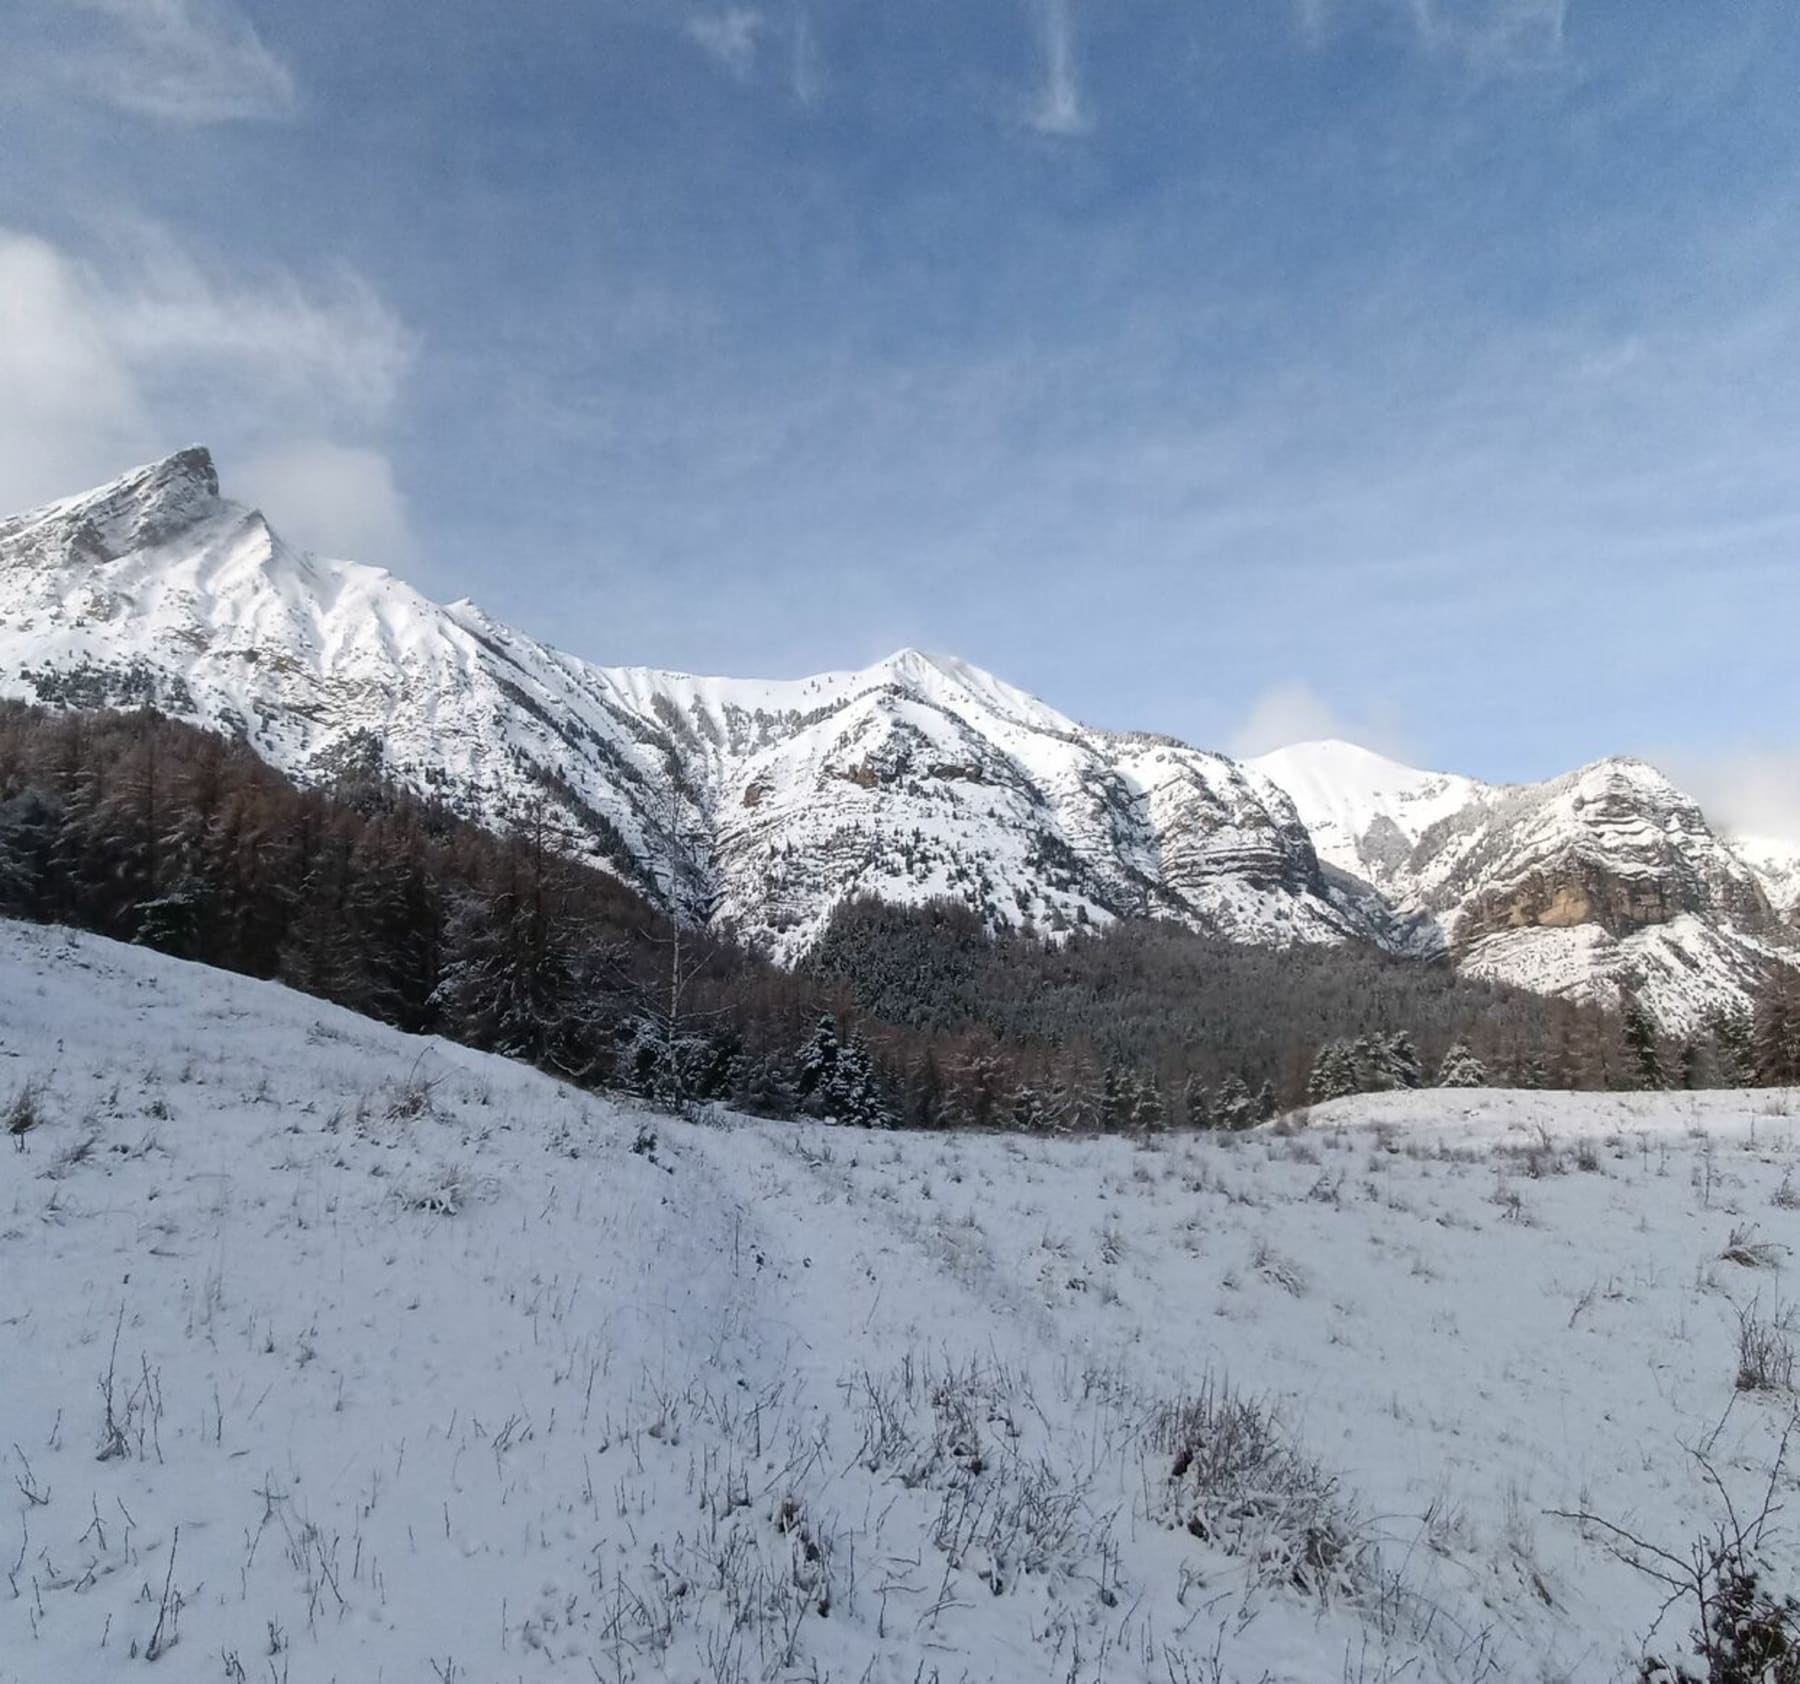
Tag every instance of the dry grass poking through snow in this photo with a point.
(329, 1353)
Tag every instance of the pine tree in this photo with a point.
(817, 1078)
(1775, 1047)
(1152, 1113)
(1027, 1111)
(854, 1098)
(1333, 1074)
(762, 1089)
(1234, 1108)
(1266, 1106)
(171, 923)
(1641, 1045)
(1196, 1104)
(1731, 1033)
(28, 827)
(1461, 1069)
(1692, 1065)
(1400, 1062)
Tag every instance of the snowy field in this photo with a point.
(328, 1353)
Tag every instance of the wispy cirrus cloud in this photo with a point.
(175, 61)
(1059, 108)
(119, 357)
(1491, 34)
(730, 38)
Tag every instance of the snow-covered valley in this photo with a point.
(331, 1353)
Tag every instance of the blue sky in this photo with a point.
(1426, 371)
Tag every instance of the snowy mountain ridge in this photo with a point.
(760, 805)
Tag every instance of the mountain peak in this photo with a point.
(189, 469)
(183, 482)
(139, 510)
(952, 679)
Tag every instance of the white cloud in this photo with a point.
(1295, 713)
(1752, 793)
(178, 61)
(327, 343)
(808, 71)
(1059, 109)
(72, 404)
(104, 367)
(729, 38)
(332, 498)
(1496, 35)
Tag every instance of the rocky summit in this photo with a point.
(759, 806)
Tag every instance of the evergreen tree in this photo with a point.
(817, 1079)
(853, 1098)
(28, 828)
(1333, 1074)
(1461, 1069)
(1731, 1035)
(1028, 1112)
(1692, 1065)
(1775, 1046)
(1641, 1046)
(1118, 1099)
(1266, 1107)
(1196, 1104)
(1400, 1062)
(1368, 1064)
(172, 922)
(1234, 1108)
(762, 1089)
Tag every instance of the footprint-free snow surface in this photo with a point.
(327, 1353)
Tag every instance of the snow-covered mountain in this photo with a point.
(1776, 864)
(1604, 876)
(760, 805)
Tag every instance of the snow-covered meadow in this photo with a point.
(328, 1353)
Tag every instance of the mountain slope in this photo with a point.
(1604, 877)
(419, 1364)
(1776, 865)
(760, 803)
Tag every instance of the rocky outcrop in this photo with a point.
(762, 805)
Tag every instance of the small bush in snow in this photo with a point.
(1748, 1252)
(1765, 1349)
(1237, 1483)
(24, 1112)
(1743, 1632)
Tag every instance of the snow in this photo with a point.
(1341, 791)
(1776, 862)
(917, 777)
(1454, 857)
(420, 1369)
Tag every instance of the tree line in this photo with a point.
(155, 832)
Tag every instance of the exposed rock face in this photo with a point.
(1503, 874)
(916, 777)
(762, 805)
